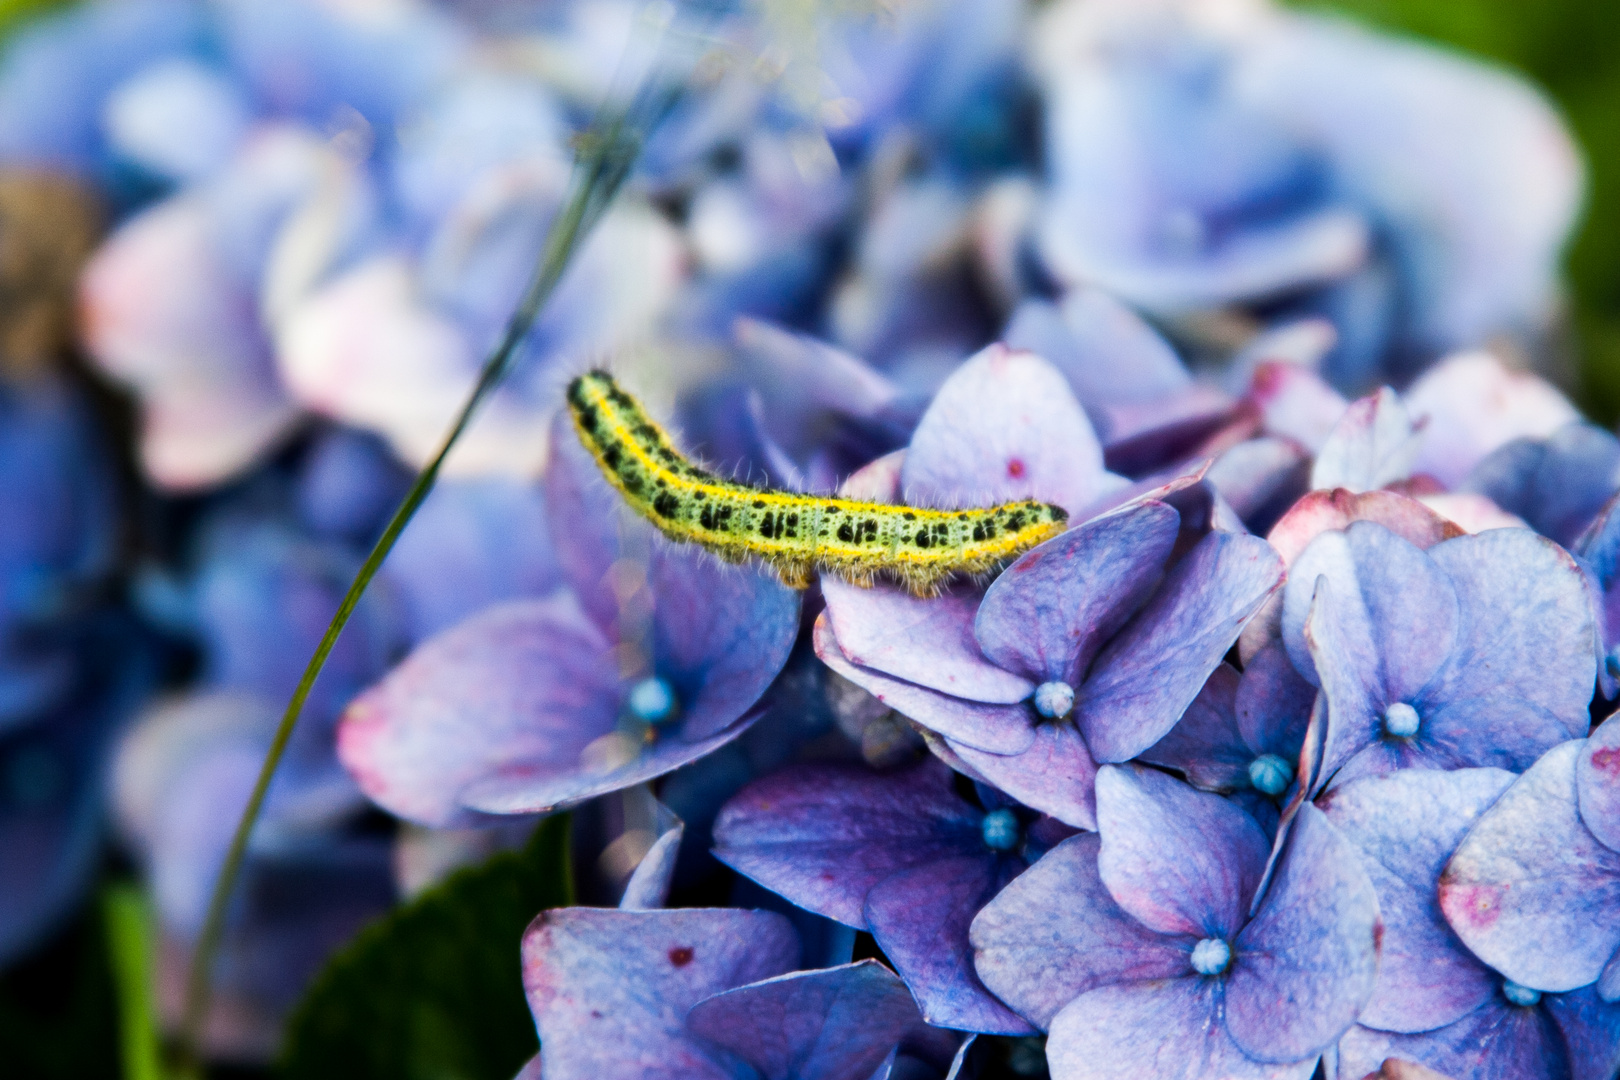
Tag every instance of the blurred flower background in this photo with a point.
(254, 252)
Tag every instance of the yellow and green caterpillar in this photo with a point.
(795, 534)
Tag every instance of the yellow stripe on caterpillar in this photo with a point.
(791, 532)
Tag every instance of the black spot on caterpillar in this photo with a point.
(795, 534)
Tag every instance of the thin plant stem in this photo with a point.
(604, 156)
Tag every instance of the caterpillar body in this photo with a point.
(793, 533)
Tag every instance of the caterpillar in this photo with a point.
(794, 534)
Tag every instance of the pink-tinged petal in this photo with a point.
(1179, 860)
(1471, 513)
(1055, 774)
(1295, 402)
(1205, 745)
(527, 682)
(611, 990)
(920, 918)
(164, 312)
(1050, 612)
(1495, 1042)
(929, 642)
(720, 634)
(1405, 826)
(1054, 933)
(1152, 670)
(1397, 1069)
(1372, 446)
(876, 481)
(1527, 626)
(1591, 1028)
(1597, 781)
(1313, 943)
(1166, 1030)
(1472, 405)
(1530, 890)
(837, 1024)
(1004, 426)
(823, 835)
(1008, 729)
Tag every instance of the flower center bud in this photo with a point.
(1401, 720)
(1520, 995)
(1211, 956)
(1054, 700)
(652, 701)
(1001, 832)
(1269, 774)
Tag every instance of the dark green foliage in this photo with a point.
(58, 1012)
(1567, 46)
(433, 990)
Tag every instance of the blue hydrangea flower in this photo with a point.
(1136, 950)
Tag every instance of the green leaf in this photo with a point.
(434, 989)
(129, 949)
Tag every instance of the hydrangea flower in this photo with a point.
(1557, 484)
(1087, 648)
(651, 658)
(704, 992)
(1435, 1003)
(1136, 950)
(899, 854)
(1530, 889)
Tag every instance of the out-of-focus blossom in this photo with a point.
(1136, 948)
(652, 658)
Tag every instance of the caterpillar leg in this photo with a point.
(795, 575)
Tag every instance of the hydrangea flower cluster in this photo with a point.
(1290, 756)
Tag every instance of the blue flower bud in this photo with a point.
(1269, 774)
(1401, 720)
(652, 701)
(1001, 832)
(1212, 956)
(1054, 700)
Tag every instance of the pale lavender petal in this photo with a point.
(836, 1024)
(1295, 402)
(530, 681)
(1005, 426)
(1179, 860)
(1313, 943)
(1473, 404)
(920, 917)
(1591, 1029)
(1055, 774)
(583, 513)
(1147, 676)
(1597, 780)
(720, 634)
(1050, 612)
(996, 728)
(1405, 826)
(649, 883)
(1373, 445)
(925, 641)
(823, 835)
(1054, 933)
(1167, 1030)
(1530, 890)
(1205, 745)
(610, 990)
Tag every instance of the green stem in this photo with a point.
(128, 919)
(604, 159)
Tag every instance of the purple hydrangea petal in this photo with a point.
(1050, 612)
(610, 990)
(1591, 1028)
(1558, 484)
(1181, 861)
(824, 835)
(1004, 426)
(1526, 626)
(1153, 669)
(583, 514)
(996, 728)
(1530, 890)
(649, 883)
(1205, 745)
(836, 1024)
(720, 634)
(1372, 446)
(1165, 1030)
(527, 681)
(1055, 932)
(1495, 1042)
(1597, 783)
(1055, 774)
(920, 918)
(929, 642)
(1313, 943)
(1405, 826)
(1473, 404)
(1273, 703)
